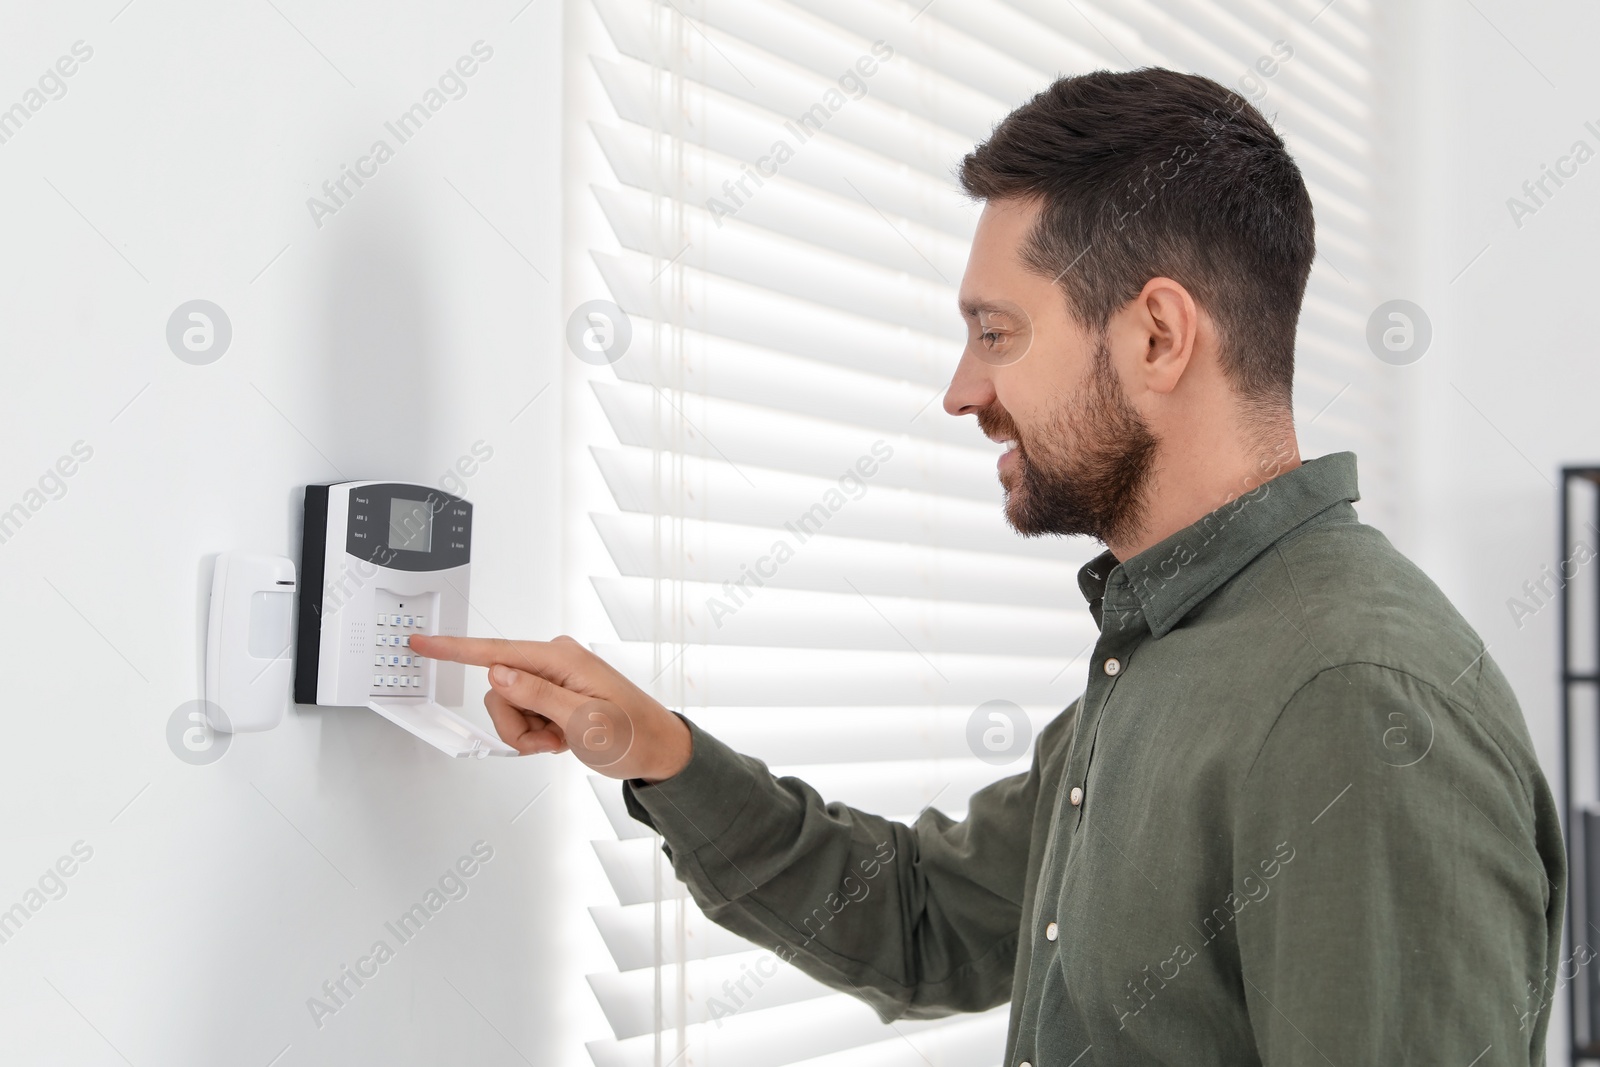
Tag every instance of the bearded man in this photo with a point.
(1296, 816)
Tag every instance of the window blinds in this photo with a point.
(802, 550)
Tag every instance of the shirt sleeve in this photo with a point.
(1396, 872)
(918, 921)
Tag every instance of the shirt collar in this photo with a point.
(1165, 581)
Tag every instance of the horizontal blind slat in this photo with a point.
(800, 109)
(751, 437)
(805, 506)
(965, 1041)
(715, 552)
(791, 736)
(628, 998)
(992, 69)
(629, 932)
(760, 317)
(800, 269)
(776, 1037)
(715, 366)
(748, 614)
(724, 676)
(786, 206)
(827, 50)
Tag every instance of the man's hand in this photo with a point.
(548, 696)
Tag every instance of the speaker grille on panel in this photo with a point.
(358, 636)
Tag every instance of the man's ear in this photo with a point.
(1165, 320)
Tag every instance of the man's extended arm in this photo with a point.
(917, 920)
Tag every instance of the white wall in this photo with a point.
(1493, 91)
(409, 326)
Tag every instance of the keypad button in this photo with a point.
(405, 620)
(377, 680)
(391, 680)
(378, 660)
(420, 622)
(405, 661)
(416, 681)
(383, 620)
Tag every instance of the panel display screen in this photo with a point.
(407, 527)
(410, 525)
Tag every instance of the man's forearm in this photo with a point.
(833, 890)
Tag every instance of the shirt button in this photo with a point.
(1076, 796)
(1051, 931)
(1024, 1063)
(1113, 666)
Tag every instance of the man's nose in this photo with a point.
(970, 388)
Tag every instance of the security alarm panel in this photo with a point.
(381, 561)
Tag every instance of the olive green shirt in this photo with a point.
(1295, 818)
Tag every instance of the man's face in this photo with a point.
(1079, 456)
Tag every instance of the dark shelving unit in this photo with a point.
(1579, 622)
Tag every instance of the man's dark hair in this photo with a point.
(1152, 173)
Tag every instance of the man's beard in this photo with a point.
(1087, 472)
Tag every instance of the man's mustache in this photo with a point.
(996, 421)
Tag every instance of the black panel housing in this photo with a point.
(308, 627)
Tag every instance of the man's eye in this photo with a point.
(991, 338)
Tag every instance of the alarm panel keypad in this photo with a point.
(396, 670)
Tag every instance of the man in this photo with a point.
(1296, 817)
